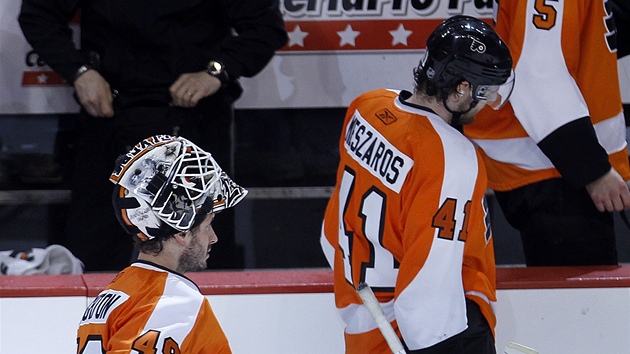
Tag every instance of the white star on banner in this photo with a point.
(42, 78)
(348, 36)
(400, 35)
(296, 37)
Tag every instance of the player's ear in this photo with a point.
(461, 87)
(180, 238)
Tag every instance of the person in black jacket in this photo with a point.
(146, 68)
(621, 14)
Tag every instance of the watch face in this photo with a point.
(217, 70)
(216, 66)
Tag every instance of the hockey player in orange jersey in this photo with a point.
(556, 154)
(407, 214)
(168, 191)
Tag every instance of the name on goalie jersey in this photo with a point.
(102, 306)
(375, 153)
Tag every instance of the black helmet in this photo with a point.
(465, 48)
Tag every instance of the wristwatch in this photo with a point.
(82, 70)
(217, 69)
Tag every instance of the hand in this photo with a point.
(609, 192)
(94, 94)
(190, 88)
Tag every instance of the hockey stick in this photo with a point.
(514, 348)
(370, 301)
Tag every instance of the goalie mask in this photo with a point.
(167, 184)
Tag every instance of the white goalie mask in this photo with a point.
(166, 183)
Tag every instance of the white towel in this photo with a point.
(54, 259)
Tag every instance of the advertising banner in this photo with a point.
(338, 49)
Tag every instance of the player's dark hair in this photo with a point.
(152, 246)
(423, 85)
(156, 245)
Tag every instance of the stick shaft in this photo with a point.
(370, 301)
(515, 348)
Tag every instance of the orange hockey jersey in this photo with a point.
(406, 213)
(566, 69)
(148, 309)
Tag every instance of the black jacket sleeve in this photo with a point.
(260, 28)
(45, 26)
(621, 14)
(576, 153)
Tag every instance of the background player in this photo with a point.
(407, 210)
(556, 154)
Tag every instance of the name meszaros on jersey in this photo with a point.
(375, 153)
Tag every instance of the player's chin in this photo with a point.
(202, 265)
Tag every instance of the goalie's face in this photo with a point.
(198, 246)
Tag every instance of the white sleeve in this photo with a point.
(327, 248)
(624, 78)
(545, 95)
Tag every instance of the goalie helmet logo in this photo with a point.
(165, 184)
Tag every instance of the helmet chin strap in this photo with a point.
(457, 114)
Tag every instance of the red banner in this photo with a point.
(353, 35)
(42, 78)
